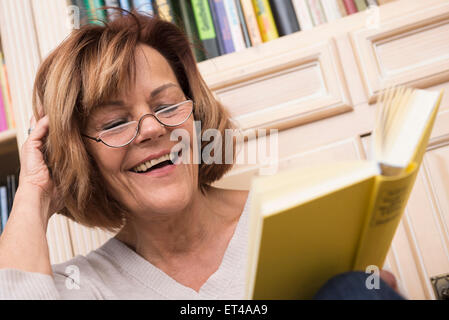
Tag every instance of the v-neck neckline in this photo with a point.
(234, 259)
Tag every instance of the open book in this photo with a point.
(309, 224)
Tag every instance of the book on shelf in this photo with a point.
(205, 27)
(303, 14)
(7, 193)
(217, 8)
(251, 22)
(265, 20)
(111, 12)
(125, 4)
(341, 8)
(350, 6)
(6, 94)
(165, 10)
(242, 20)
(187, 23)
(360, 5)
(331, 10)
(317, 12)
(284, 17)
(94, 13)
(143, 6)
(309, 224)
(234, 25)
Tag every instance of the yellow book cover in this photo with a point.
(265, 20)
(310, 224)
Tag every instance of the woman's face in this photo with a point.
(159, 191)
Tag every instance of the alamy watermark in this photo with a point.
(73, 277)
(373, 280)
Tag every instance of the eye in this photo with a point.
(162, 107)
(114, 124)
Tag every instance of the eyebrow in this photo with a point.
(153, 93)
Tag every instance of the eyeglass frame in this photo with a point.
(139, 122)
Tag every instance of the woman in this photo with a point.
(108, 100)
(91, 89)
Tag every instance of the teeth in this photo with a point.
(147, 165)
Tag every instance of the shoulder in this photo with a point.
(80, 277)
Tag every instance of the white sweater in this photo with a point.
(114, 271)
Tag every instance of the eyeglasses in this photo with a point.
(124, 134)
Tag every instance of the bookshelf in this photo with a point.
(318, 87)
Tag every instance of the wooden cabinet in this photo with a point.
(318, 88)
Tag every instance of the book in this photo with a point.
(3, 121)
(84, 18)
(223, 30)
(309, 224)
(265, 20)
(360, 4)
(350, 6)
(125, 4)
(205, 27)
(341, 8)
(234, 25)
(7, 101)
(3, 207)
(317, 12)
(284, 16)
(111, 13)
(331, 10)
(143, 6)
(303, 14)
(251, 22)
(165, 10)
(186, 21)
(94, 13)
(242, 20)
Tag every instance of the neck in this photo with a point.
(178, 234)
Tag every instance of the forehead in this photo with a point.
(152, 67)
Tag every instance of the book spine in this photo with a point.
(251, 21)
(222, 23)
(93, 13)
(205, 26)
(360, 4)
(303, 14)
(330, 10)
(165, 10)
(381, 2)
(385, 211)
(188, 24)
(341, 8)
(3, 206)
(371, 3)
(144, 6)
(317, 12)
(83, 11)
(284, 16)
(111, 12)
(218, 31)
(234, 25)
(350, 6)
(242, 20)
(3, 121)
(8, 193)
(7, 101)
(265, 20)
(125, 4)
(13, 190)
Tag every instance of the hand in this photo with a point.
(390, 279)
(34, 172)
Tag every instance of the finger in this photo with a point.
(40, 129)
(389, 278)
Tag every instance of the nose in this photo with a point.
(149, 129)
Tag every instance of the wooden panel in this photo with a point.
(410, 50)
(300, 86)
(86, 239)
(59, 240)
(346, 150)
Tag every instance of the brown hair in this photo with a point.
(83, 71)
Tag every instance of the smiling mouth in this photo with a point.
(165, 160)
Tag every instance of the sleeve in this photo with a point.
(70, 281)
